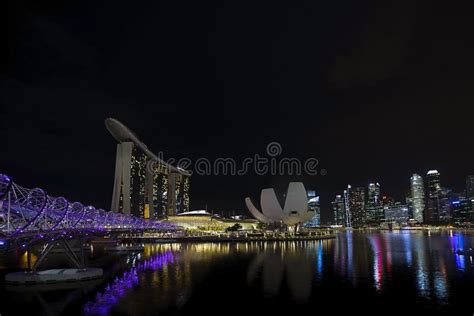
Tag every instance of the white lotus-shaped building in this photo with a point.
(295, 211)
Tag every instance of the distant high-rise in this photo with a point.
(417, 197)
(460, 208)
(387, 203)
(374, 209)
(470, 193)
(470, 187)
(444, 205)
(397, 213)
(347, 210)
(373, 193)
(313, 204)
(409, 202)
(387, 200)
(339, 209)
(434, 183)
(432, 211)
(141, 188)
(357, 207)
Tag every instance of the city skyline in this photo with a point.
(373, 95)
(326, 208)
(427, 202)
(164, 157)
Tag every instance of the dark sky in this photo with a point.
(375, 91)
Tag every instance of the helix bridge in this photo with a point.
(29, 217)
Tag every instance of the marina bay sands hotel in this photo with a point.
(144, 185)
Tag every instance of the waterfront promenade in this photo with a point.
(224, 237)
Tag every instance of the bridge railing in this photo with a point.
(27, 212)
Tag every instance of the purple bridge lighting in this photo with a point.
(29, 216)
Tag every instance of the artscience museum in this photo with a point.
(295, 211)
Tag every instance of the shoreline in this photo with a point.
(212, 239)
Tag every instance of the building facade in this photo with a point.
(374, 208)
(314, 205)
(347, 210)
(397, 213)
(470, 187)
(143, 185)
(357, 207)
(433, 209)
(339, 210)
(417, 197)
(460, 208)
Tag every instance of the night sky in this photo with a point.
(375, 91)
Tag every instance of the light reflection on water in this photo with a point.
(117, 289)
(363, 260)
(410, 267)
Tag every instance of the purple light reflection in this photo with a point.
(105, 301)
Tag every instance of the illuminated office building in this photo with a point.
(357, 207)
(313, 205)
(434, 182)
(373, 193)
(444, 214)
(470, 187)
(339, 209)
(460, 208)
(433, 209)
(387, 200)
(470, 192)
(409, 203)
(347, 211)
(397, 213)
(417, 197)
(374, 208)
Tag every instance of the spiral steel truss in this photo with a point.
(29, 215)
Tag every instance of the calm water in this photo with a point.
(369, 272)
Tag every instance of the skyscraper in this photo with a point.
(338, 209)
(347, 211)
(387, 200)
(432, 212)
(409, 203)
(434, 183)
(417, 197)
(374, 209)
(470, 194)
(444, 211)
(397, 213)
(373, 193)
(143, 188)
(357, 207)
(313, 204)
(460, 208)
(470, 187)
(387, 203)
